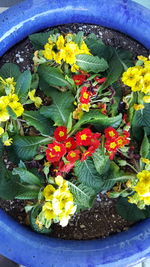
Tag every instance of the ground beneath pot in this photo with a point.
(102, 220)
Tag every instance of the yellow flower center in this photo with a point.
(73, 154)
(113, 145)
(57, 148)
(111, 134)
(83, 137)
(61, 133)
(85, 95)
(68, 144)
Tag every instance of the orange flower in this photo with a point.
(110, 133)
(73, 155)
(60, 133)
(55, 152)
(70, 144)
(83, 138)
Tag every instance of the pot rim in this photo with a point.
(20, 243)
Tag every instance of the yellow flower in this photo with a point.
(78, 113)
(8, 142)
(36, 99)
(58, 56)
(11, 84)
(146, 82)
(60, 42)
(17, 108)
(138, 86)
(146, 161)
(4, 116)
(142, 58)
(85, 107)
(84, 49)
(146, 99)
(70, 51)
(138, 106)
(147, 63)
(74, 68)
(65, 216)
(48, 192)
(12, 98)
(1, 131)
(131, 76)
(48, 211)
(48, 52)
(60, 199)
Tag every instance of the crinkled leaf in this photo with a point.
(88, 175)
(91, 63)
(26, 176)
(52, 75)
(82, 194)
(99, 120)
(145, 147)
(26, 146)
(141, 117)
(23, 85)
(129, 211)
(10, 70)
(38, 40)
(101, 161)
(61, 108)
(41, 123)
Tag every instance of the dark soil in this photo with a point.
(102, 220)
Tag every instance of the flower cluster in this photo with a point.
(138, 78)
(115, 141)
(142, 189)
(59, 204)
(35, 99)
(81, 146)
(64, 49)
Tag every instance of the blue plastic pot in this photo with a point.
(19, 243)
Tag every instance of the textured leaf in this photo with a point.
(119, 62)
(26, 146)
(82, 194)
(27, 192)
(23, 85)
(88, 175)
(99, 120)
(91, 63)
(101, 161)
(142, 117)
(145, 147)
(26, 176)
(38, 40)
(52, 75)
(61, 108)
(129, 211)
(42, 124)
(10, 70)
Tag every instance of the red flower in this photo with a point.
(100, 80)
(87, 153)
(73, 155)
(60, 133)
(126, 133)
(95, 143)
(121, 141)
(85, 95)
(111, 155)
(110, 133)
(55, 152)
(79, 79)
(70, 144)
(83, 138)
(111, 145)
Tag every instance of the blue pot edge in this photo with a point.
(79, 12)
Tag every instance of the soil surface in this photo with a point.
(102, 220)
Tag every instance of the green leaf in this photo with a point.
(26, 176)
(52, 75)
(129, 211)
(61, 108)
(82, 194)
(145, 147)
(33, 216)
(42, 124)
(88, 175)
(10, 70)
(26, 146)
(91, 63)
(38, 40)
(27, 192)
(11, 113)
(23, 85)
(99, 120)
(141, 117)
(78, 38)
(119, 62)
(101, 161)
